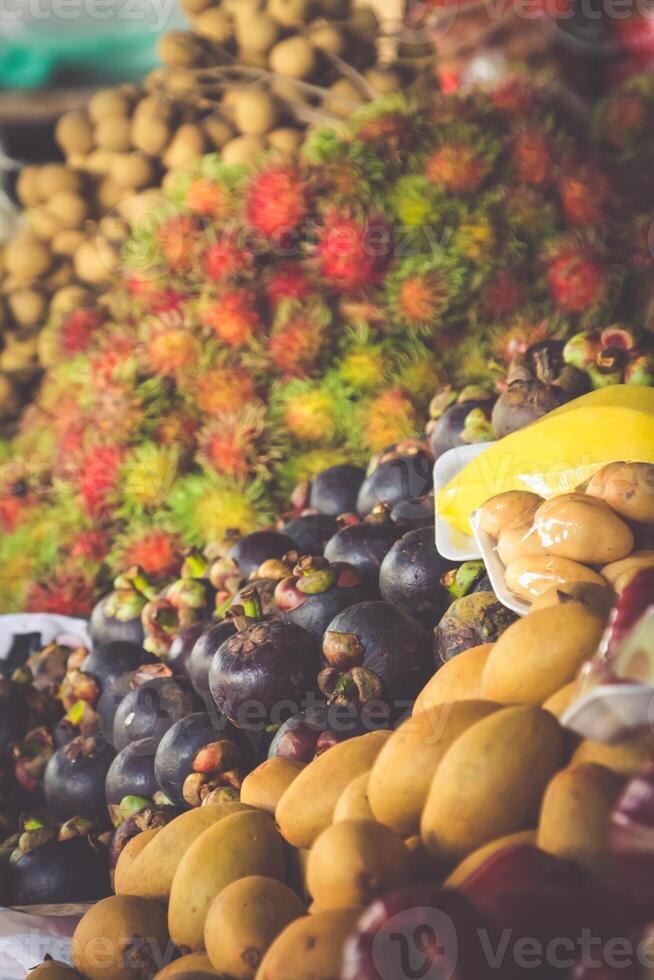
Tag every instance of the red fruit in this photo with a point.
(171, 349)
(11, 508)
(294, 348)
(98, 477)
(226, 449)
(514, 96)
(206, 198)
(166, 301)
(583, 197)
(67, 595)
(78, 328)
(90, 545)
(532, 158)
(502, 295)
(622, 119)
(156, 552)
(234, 317)
(288, 281)
(577, 280)
(225, 259)
(351, 253)
(460, 169)
(224, 390)
(277, 201)
(520, 868)
(176, 239)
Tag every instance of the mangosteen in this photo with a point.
(118, 687)
(375, 652)
(53, 868)
(364, 545)
(203, 653)
(31, 755)
(459, 420)
(149, 710)
(47, 667)
(198, 754)
(304, 736)
(265, 672)
(335, 490)
(75, 777)
(131, 774)
(311, 532)
(470, 621)
(415, 512)
(181, 604)
(182, 647)
(410, 577)
(464, 579)
(117, 616)
(147, 818)
(265, 589)
(397, 477)
(253, 549)
(108, 662)
(317, 591)
(537, 383)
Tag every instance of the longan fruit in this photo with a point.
(242, 149)
(181, 81)
(180, 48)
(136, 207)
(108, 102)
(27, 186)
(288, 13)
(252, 58)
(216, 24)
(132, 170)
(68, 298)
(364, 23)
(62, 275)
(114, 133)
(93, 264)
(99, 162)
(110, 195)
(294, 57)
(217, 130)
(286, 139)
(19, 355)
(383, 80)
(65, 242)
(53, 177)
(71, 209)
(258, 33)
(344, 97)
(255, 112)
(26, 260)
(327, 37)
(334, 9)
(187, 145)
(150, 135)
(9, 397)
(113, 229)
(44, 223)
(27, 306)
(74, 132)
(154, 106)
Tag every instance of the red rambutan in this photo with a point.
(501, 295)
(177, 430)
(514, 96)
(90, 546)
(11, 509)
(277, 201)
(224, 260)
(65, 593)
(228, 446)
(577, 278)
(170, 349)
(98, 477)
(176, 239)
(351, 253)
(622, 119)
(77, 329)
(422, 297)
(584, 196)
(233, 317)
(459, 168)
(288, 280)
(157, 552)
(207, 198)
(166, 301)
(224, 390)
(295, 347)
(532, 158)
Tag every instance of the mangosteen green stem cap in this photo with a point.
(251, 604)
(129, 805)
(460, 581)
(195, 564)
(137, 579)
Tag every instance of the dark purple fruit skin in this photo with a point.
(280, 671)
(149, 711)
(203, 653)
(110, 661)
(132, 772)
(395, 647)
(363, 545)
(317, 611)
(10, 714)
(181, 743)
(60, 871)
(298, 737)
(311, 533)
(414, 512)
(105, 629)
(335, 490)
(410, 574)
(75, 786)
(476, 618)
(428, 930)
(265, 589)
(449, 428)
(252, 550)
(182, 647)
(396, 479)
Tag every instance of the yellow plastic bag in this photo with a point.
(557, 453)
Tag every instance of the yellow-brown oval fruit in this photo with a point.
(27, 186)
(265, 785)
(626, 758)
(187, 145)
(53, 177)
(560, 701)
(286, 139)
(70, 209)
(151, 873)
(575, 815)
(108, 102)
(307, 806)
(255, 112)
(191, 963)
(634, 562)
(53, 970)
(115, 928)
(628, 489)
(491, 781)
(215, 24)
(312, 944)
(27, 259)
(353, 803)
(74, 132)
(114, 133)
(582, 528)
(530, 577)
(598, 598)
(540, 653)
(294, 56)
(518, 542)
(457, 680)
(128, 855)
(512, 509)
(353, 861)
(403, 771)
(28, 307)
(343, 98)
(243, 921)
(243, 149)
(240, 845)
(475, 860)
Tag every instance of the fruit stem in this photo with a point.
(251, 604)
(195, 565)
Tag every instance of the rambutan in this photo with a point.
(11, 509)
(229, 446)
(502, 294)
(166, 301)
(420, 291)
(577, 276)
(233, 316)
(177, 430)
(364, 367)
(463, 164)
(277, 201)
(176, 238)
(352, 252)
(206, 506)
(297, 340)
(66, 593)
(389, 418)
(206, 198)
(224, 389)
(621, 119)
(170, 347)
(147, 474)
(225, 260)
(311, 411)
(156, 550)
(90, 545)
(98, 477)
(477, 239)
(532, 158)
(288, 280)
(584, 196)
(78, 328)
(515, 96)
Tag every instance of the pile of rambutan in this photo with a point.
(273, 322)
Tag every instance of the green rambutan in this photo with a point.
(364, 366)
(156, 549)
(311, 411)
(206, 506)
(389, 418)
(147, 474)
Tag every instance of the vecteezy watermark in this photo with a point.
(154, 15)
